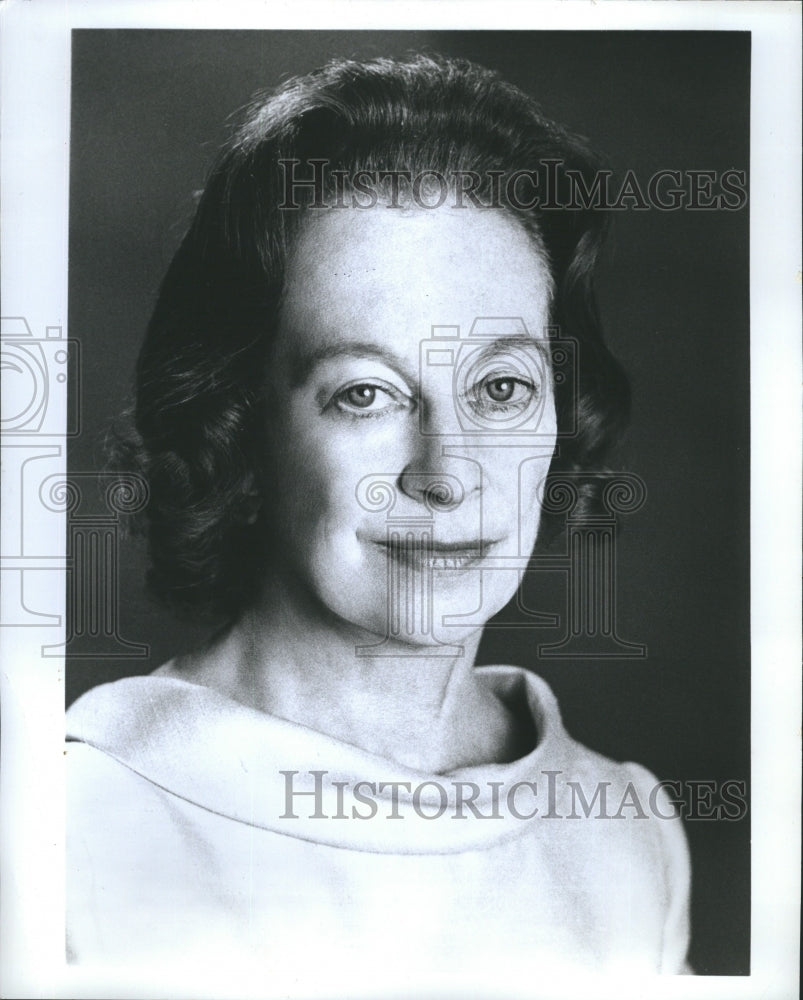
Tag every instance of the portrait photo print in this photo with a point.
(411, 449)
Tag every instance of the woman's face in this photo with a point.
(412, 416)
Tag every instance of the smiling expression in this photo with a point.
(408, 436)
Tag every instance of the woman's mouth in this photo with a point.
(422, 552)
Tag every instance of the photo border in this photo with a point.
(34, 119)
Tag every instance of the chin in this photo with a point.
(454, 611)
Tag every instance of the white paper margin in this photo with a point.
(34, 119)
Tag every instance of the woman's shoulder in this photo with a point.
(528, 694)
(582, 783)
(132, 705)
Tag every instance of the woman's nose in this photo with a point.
(435, 473)
(438, 490)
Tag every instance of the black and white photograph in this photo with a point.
(381, 519)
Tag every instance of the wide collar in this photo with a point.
(248, 766)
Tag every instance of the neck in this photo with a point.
(426, 711)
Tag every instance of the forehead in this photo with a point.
(386, 276)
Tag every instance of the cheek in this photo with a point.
(317, 472)
(515, 475)
(313, 492)
(519, 462)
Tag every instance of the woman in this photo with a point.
(348, 404)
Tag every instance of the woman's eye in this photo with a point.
(500, 389)
(504, 392)
(361, 396)
(367, 399)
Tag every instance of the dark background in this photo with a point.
(150, 109)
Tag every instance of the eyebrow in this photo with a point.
(303, 363)
(499, 344)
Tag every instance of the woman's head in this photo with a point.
(420, 211)
(408, 437)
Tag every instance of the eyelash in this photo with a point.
(472, 397)
(340, 402)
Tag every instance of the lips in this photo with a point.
(422, 552)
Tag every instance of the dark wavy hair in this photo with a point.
(200, 411)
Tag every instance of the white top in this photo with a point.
(192, 847)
